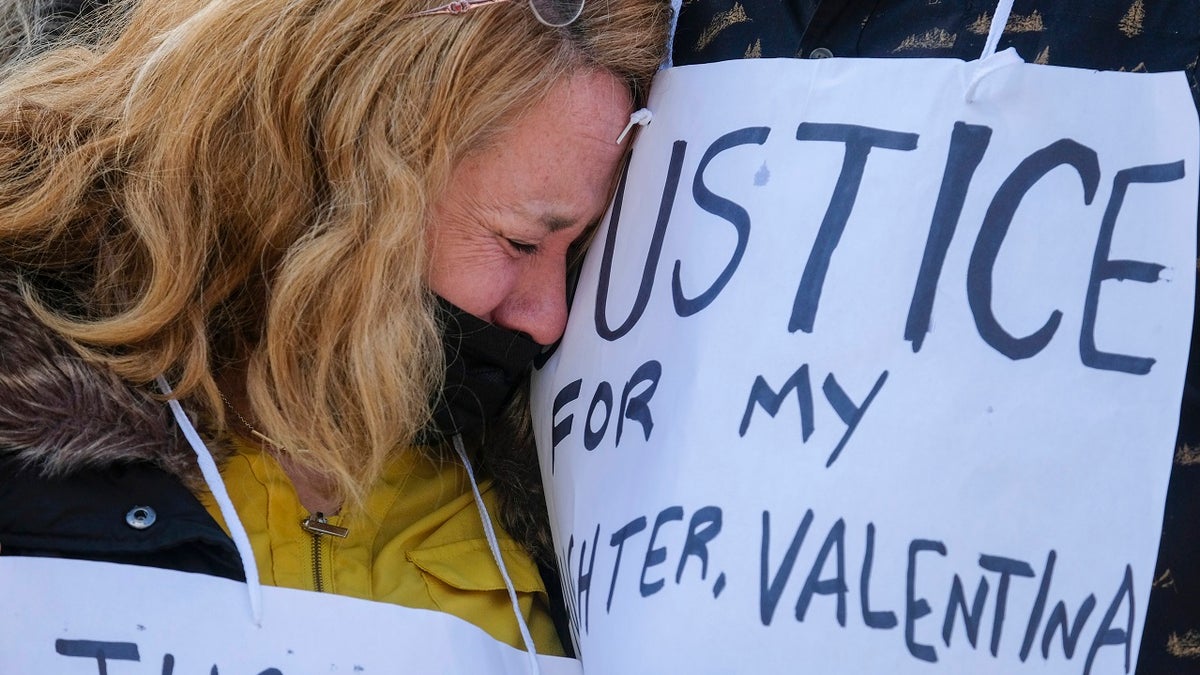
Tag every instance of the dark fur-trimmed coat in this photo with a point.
(80, 449)
(81, 452)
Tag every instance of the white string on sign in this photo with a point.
(490, 533)
(989, 61)
(212, 477)
(999, 21)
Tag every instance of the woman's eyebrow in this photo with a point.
(556, 223)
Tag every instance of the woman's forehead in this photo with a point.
(556, 161)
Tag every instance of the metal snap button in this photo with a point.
(140, 517)
(820, 53)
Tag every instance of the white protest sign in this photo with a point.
(866, 375)
(71, 617)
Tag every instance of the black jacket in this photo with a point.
(133, 513)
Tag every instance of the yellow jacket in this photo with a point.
(419, 542)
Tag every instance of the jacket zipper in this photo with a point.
(317, 526)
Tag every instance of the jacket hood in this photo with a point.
(60, 413)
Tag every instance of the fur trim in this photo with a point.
(60, 413)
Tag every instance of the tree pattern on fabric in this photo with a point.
(1103, 34)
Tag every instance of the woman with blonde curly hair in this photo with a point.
(336, 231)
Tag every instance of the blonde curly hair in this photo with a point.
(245, 183)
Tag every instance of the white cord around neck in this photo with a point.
(212, 476)
(490, 533)
(999, 21)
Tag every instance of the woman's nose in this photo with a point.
(537, 305)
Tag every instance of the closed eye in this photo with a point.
(522, 247)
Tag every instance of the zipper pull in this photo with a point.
(316, 525)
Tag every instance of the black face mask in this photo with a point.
(484, 366)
